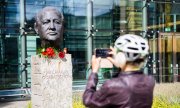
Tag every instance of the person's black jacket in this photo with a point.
(128, 90)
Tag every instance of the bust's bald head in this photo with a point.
(49, 26)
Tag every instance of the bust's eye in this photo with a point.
(45, 21)
(57, 21)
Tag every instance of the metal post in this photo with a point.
(90, 30)
(163, 22)
(154, 53)
(144, 25)
(154, 46)
(144, 18)
(174, 22)
(23, 44)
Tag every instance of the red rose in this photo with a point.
(50, 52)
(61, 54)
(44, 53)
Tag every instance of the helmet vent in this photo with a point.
(127, 54)
(143, 48)
(119, 43)
(132, 48)
(128, 40)
(143, 43)
(135, 54)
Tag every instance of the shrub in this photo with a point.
(162, 102)
(77, 100)
(166, 95)
(29, 104)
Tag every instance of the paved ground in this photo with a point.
(14, 104)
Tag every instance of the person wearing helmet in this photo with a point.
(131, 88)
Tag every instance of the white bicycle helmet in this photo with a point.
(134, 47)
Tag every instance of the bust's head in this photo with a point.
(49, 26)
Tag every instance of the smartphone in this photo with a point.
(102, 52)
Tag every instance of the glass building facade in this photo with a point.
(90, 24)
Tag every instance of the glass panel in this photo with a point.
(102, 42)
(31, 50)
(68, 3)
(103, 19)
(80, 3)
(9, 66)
(9, 45)
(168, 57)
(177, 65)
(75, 18)
(103, 2)
(80, 11)
(78, 21)
(54, 2)
(127, 16)
(12, 1)
(153, 57)
(163, 16)
(167, 1)
(76, 42)
(9, 15)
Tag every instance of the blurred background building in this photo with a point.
(90, 24)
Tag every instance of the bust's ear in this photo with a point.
(36, 27)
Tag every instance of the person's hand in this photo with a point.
(95, 63)
(118, 59)
(112, 58)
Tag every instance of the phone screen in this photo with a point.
(102, 52)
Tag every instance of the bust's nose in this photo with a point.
(52, 25)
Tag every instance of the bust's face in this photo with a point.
(50, 26)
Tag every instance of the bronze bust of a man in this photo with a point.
(49, 26)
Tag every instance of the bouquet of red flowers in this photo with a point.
(50, 52)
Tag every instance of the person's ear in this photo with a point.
(120, 59)
(36, 27)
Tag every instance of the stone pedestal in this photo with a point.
(51, 82)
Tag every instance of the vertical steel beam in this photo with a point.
(154, 45)
(90, 30)
(174, 22)
(163, 22)
(175, 73)
(23, 44)
(144, 25)
(144, 18)
(160, 57)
